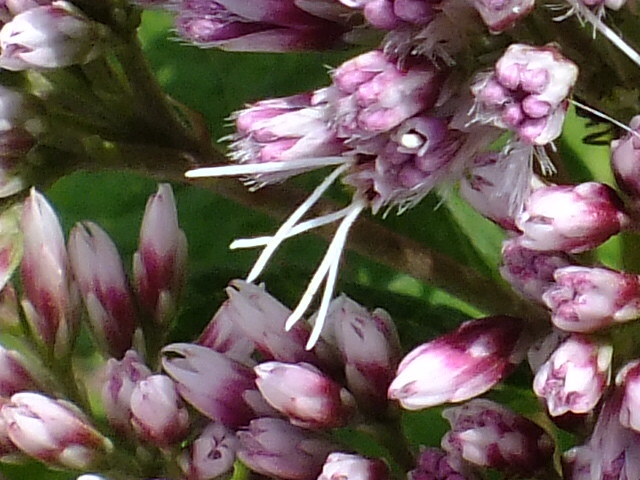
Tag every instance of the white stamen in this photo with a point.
(297, 230)
(605, 117)
(411, 140)
(326, 270)
(257, 168)
(284, 229)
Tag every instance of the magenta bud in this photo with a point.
(211, 454)
(213, 384)
(460, 365)
(370, 348)
(16, 374)
(571, 218)
(53, 431)
(304, 394)
(625, 160)
(157, 413)
(159, 265)
(50, 36)
(589, 299)
(434, 463)
(486, 434)
(344, 466)
(499, 15)
(98, 270)
(120, 378)
(275, 448)
(11, 249)
(51, 303)
(628, 378)
(575, 376)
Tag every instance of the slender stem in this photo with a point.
(389, 434)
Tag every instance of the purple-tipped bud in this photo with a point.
(50, 36)
(394, 14)
(628, 378)
(215, 385)
(157, 412)
(53, 431)
(571, 218)
(487, 434)
(211, 454)
(10, 250)
(343, 466)
(527, 92)
(436, 464)
(159, 265)
(625, 160)
(530, 272)
(370, 349)
(374, 95)
(459, 365)
(276, 448)
(223, 335)
(51, 302)
(285, 130)
(9, 452)
(588, 299)
(304, 394)
(500, 15)
(575, 376)
(262, 25)
(15, 374)
(98, 270)
(262, 318)
(120, 378)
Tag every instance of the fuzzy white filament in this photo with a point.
(327, 270)
(606, 117)
(267, 167)
(286, 227)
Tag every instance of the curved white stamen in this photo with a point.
(326, 270)
(286, 227)
(267, 167)
(297, 230)
(605, 117)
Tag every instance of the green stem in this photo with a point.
(389, 435)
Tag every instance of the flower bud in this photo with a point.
(304, 394)
(461, 364)
(275, 448)
(343, 466)
(436, 464)
(575, 376)
(9, 452)
(15, 374)
(208, 380)
(370, 348)
(625, 160)
(11, 247)
(571, 218)
(530, 272)
(628, 379)
(50, 36)
(589, 299)
(51, 302)
(159, 265)
(211, 454)
(500, 16)
(487, 434)
(98, 270)
(157, 413)
(120, 378)
(53, 431)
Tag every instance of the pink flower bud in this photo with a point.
(98, 270)
(461, 364)
(530, 272)
(51, 302)
(15, 374)
(157, 413)
(588, 299)
(275, 448)
(487, 434)
(370, 348)
(575, 376)
(571, 218)
(343, 466)
(120, 378)
(211, 454)
(527, 92)
(625, 160)
(159, 265)
(436, 464)
(215, 385)
(628, 379)
(499, 15)
(53, 431)
(10, 245)
(9, 452)
(304, 394)
(50, 36)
